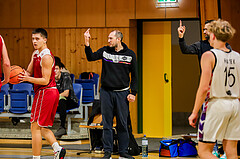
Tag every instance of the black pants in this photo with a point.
(115, 101)
(63, 106)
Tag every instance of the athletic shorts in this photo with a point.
(220, 120)
(44, 107)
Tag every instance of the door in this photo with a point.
(156, 64)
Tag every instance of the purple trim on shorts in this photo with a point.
(202, 121)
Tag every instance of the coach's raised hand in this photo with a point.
(181, 30)
(87, 37)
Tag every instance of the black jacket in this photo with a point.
(65, 83)
(197, 48)
(116, 67)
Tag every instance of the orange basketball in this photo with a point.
(15, 71)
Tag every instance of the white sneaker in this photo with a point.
(223, 156)
(60, 154)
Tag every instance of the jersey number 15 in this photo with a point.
(228, 75)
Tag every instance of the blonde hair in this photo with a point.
(221, 29)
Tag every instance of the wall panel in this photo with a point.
(19, 45)
(10, 14)
(62, 13)
(186, 9)
(145, 9)
(34, 14)
(208, 10)
(91, 13)
(230, 11)
(118, 13)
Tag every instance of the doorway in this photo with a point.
(156, 79)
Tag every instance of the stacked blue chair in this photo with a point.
(77, 88)
(72, 77)
(3, 97)
(20, 98)
(88, 93)
(95, 77)
(96, 82)
(78, 92)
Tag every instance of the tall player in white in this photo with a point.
(220, 83)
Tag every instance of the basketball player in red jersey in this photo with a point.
(46, 97)
(5, 62)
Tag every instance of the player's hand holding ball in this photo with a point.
(14, 74)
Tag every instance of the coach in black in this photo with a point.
(199, 47)
(118, 61)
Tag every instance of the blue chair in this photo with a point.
(32, 93)
(77, 88)
(5, 88)
(24, 86)
(3, 97)
(88, 93)
(96, 82)
(78, 92)
(95, 77)
(28, 87)
(20, 98)
(72, 77)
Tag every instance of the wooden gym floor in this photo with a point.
(10, 149)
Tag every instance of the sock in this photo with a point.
(36, 157)
(56, 147)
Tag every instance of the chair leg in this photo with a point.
(69, 126)
(89, 136)
(86, 113)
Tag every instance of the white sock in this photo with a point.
(56, 147)
(36, 157)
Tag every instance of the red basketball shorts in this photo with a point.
(44, 107)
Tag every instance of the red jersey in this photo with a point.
(1, 47)
(37, 69)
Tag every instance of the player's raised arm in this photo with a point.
(181, 30)
(87, 37)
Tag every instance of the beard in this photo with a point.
(207, 37)
(113, 46)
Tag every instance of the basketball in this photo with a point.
(15, 71)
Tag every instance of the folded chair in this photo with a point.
(20, 98)
(3, 97)
(88, 94)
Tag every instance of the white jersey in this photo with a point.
(226, 75)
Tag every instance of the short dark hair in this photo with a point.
(41, 31)
(209, 21)
(58, 62)
(57, 59)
